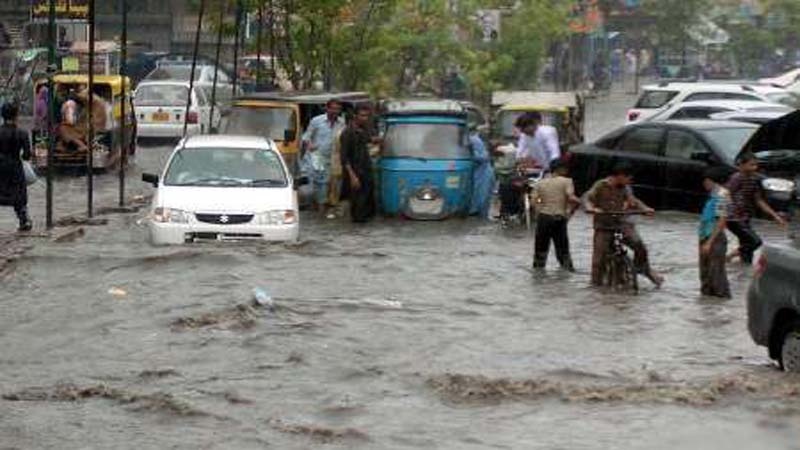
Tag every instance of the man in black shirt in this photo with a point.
(357, 165)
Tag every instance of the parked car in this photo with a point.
(161, 110)
(773, 305)
(758, 117)
(223, 188)
(203, 79)
(657, 98)
(773, 300)
(670, 158)
(703, 109)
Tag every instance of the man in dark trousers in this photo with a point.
(357, 165)
(555, 201)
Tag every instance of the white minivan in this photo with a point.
(161, 110)
(224, 188)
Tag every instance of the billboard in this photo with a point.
(66, 10)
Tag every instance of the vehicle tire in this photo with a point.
(790, 350)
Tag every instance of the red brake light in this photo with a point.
(633, 116)
(760, 266)
(192, 117)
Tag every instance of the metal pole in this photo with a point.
(51, 109)
(194, 65)
(258, 44)
(90, 137)
(236, 46)
(273, 74)
(216, 66)
(123, 71)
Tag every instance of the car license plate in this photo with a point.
(160, 116)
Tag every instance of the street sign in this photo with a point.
(71, 11)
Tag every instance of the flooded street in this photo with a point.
(393, 335)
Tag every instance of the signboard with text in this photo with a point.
(66, 10)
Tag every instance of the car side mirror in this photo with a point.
(289, 135)
(300, 181)
(150, 178)
(702, 157)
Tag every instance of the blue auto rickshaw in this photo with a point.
(426, 165)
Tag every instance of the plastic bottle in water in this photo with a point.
(262, 298)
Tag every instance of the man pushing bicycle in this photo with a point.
(611, 200)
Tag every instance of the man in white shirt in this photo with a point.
(538, 144)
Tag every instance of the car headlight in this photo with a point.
(170, 215)
(778, 185)
(277, 217)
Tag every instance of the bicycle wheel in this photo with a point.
(627, 271)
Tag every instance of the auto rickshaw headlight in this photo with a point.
(427, 194)
(170, 215)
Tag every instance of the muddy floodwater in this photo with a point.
(388, 336)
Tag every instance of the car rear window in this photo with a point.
(161, 95)
(729, 140)
(655, 99)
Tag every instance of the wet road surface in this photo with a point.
(392, 335)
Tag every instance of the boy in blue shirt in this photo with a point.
(713, 243)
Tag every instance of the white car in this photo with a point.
(704, 109)
(223, 188)
(203, 78)
(161, 108)
(657, 98)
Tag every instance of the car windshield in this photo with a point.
(271, 123)
(729, 140)
(425, 140)
(655, 99)
(507, 119)
(161, 95)
(785, 98)
(225, 167)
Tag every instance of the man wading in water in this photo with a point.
(555, 202)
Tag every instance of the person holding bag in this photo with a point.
(15, 146)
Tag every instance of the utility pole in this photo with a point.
(91, 130)
(216, 66)
(123, 72)
(258, 44)
(236, 46)
(51, 109)
(194, 66)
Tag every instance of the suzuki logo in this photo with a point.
(224, 219)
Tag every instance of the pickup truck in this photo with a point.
(773, 305)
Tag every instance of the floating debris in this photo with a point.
(160, 373)
(118, 292)
(158, 402)
(70, 235)
(480, 389)
(238, 317)
(321, 434)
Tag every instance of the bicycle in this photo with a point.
(618, 270)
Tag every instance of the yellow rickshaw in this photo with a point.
(71, 140)
(283, 116)
(562, 110)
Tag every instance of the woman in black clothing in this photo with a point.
(14, 143)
